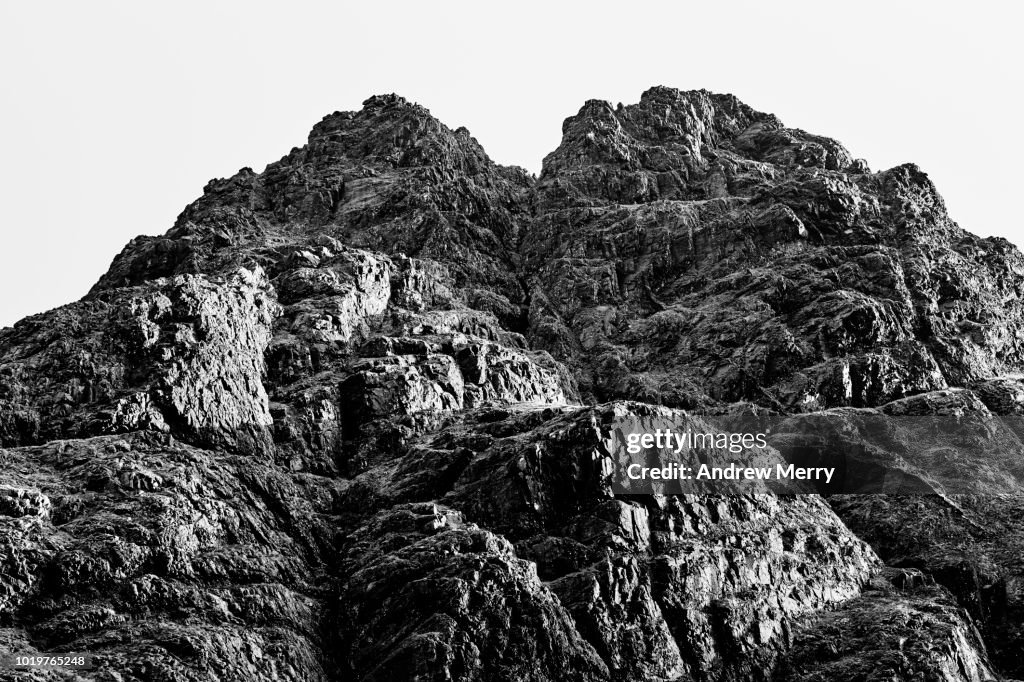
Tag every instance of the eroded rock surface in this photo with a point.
(348, 419)
(690, 249)
(913, 631)
(183, 355)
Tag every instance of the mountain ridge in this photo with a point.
(346, 418)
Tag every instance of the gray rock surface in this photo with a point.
(347, 419)
(913, 631)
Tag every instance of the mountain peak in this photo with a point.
(385, 100)
(354, 379)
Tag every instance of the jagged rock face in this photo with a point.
(345, 420)
(165, 560)
(691, 250)
(911, 632)
(389, 178)
(184, 355)
(423, 594)
(657, 588)
(971, 544)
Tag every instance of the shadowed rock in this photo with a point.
(348, 419)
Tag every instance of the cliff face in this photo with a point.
(345, 420)
(694, 250)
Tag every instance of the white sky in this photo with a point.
(113, 115)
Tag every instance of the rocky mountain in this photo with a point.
(346, 420)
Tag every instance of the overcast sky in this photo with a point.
(114, 115)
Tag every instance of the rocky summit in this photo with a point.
(345, 420)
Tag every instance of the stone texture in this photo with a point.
(660, 588)
(348, 419)
(184, 355)
(916, 632)
(691, 250)
(424, 592)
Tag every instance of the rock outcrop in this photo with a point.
(183, 355)
(348, 419)
(912, 630)
(692, 250)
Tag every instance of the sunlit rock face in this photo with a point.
(347, 419)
